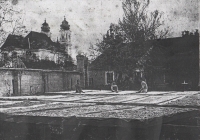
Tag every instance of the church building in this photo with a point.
(38, 46)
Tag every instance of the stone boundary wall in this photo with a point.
(17, 81)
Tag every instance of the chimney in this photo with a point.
(183, 33)
(196, 32)
(187, 33)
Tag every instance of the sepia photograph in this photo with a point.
(99, 70)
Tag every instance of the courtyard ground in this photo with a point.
(156, 115)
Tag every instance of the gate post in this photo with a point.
(80, 68)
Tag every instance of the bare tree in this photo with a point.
(11, 20)
(113, 37)
(126, 45)
(139, 24)
(93, 52)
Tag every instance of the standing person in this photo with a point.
(114, 87)
(78, 87)
(144, 88)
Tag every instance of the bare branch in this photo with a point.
(11, 21)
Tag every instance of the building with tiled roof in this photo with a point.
(173, 61)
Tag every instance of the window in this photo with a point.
(109, 77)
(5, 56)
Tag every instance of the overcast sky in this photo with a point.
(91, 18)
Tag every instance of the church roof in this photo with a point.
(42, 41)
(45, 27)
(65, 25)
(45, 23)
(37, 41)
(13, 41)
(38, 36)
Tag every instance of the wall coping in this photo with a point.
(41, 70)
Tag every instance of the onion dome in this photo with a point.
(45, 27)
(65, 25)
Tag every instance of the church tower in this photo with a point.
(45, 29)
(65, 36)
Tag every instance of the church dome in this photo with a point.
(45, 27)
(65, 25)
